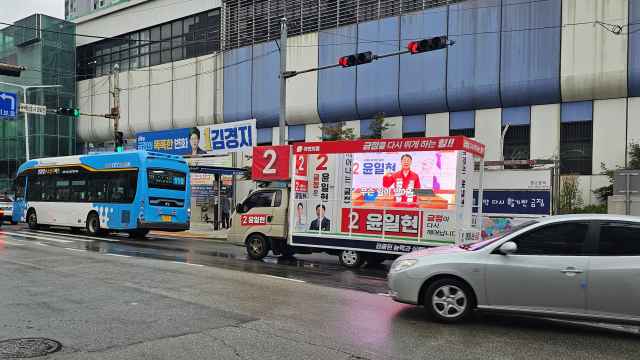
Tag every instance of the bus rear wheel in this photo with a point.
(32, 220)
(93, 225)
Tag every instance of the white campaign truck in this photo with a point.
(365, 200)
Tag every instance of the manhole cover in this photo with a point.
(27, 348)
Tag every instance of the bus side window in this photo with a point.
(33, 188)
(20, 184)
(48, 188)
(133, 186)
(117, 186)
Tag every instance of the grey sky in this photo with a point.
(13, 10)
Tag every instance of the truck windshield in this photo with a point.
(167, 179)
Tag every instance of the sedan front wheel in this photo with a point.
(449, 301)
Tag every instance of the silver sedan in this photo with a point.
(575, 266)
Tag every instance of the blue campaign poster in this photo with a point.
(201, 140)
(514, 202)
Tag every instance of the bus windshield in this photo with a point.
(167, 179)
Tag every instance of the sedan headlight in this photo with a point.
(403, 264)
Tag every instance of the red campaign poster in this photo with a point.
(301, 165)
(254, 220)
(302, 186)
(370, 221)
(271, 162)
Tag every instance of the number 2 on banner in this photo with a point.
(354, 217)
(324, 161)
(272, 154)
(301, 167)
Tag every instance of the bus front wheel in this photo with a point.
(93, 225)
(32, 220)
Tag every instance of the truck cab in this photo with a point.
(260, 222)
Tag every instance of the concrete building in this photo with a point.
(566, 87)
(77, 8)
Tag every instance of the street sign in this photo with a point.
(33, 109)
(8, 105)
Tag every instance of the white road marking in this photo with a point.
(383, 294)
(75, 249)
(184, 263)
(127, 256)
(283, 278)
(38, 236)
(37, 243)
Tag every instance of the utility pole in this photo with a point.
(283, 79)
(26, 116)
(115, 111)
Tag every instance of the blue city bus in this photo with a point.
(132, 191)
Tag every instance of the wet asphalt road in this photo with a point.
(181, 298)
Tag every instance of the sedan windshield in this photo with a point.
(493, 238)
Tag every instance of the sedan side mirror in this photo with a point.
(508, 248)
(239, 208)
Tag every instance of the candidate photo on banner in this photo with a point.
(395, 176)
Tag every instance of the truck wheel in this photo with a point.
(374, 259)
(32, 220)
(449, 301)
(351, 258)
(257, 247)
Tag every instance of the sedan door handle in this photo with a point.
(572, 271)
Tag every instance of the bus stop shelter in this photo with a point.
(217, 171)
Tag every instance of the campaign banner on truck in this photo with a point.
(436, 226)
(201, 140)
(394, 177)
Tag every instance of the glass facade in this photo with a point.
(180, 39)
(49, 59)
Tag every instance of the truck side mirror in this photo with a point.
(239, 208)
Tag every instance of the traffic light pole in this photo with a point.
(283, 79)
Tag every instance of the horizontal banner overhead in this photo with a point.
(396, 145)
(201, 140)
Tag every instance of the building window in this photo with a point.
(177, 40)
(296, 134)
(576, 143)
(576, 138)
(462, 123)
(413, 126)
(517, 142)
(265, 137)
(517, 139)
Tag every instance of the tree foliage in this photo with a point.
(339, 131)
(603, 193)
(570, 200)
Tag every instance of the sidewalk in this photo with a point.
(198, 229)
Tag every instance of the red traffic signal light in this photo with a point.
(435, 43)
(356, 59)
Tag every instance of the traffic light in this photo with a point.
(435, 43)
(119, 142)
(356, 59)
(68, 112)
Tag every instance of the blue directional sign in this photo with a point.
(8, 105)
